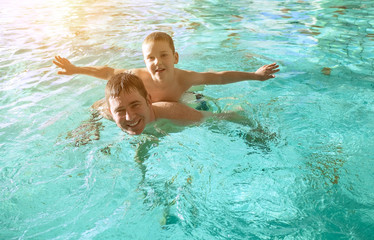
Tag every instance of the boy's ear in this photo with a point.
(176, 58)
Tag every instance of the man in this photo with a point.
(129, 105)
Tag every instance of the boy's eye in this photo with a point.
(151, 58)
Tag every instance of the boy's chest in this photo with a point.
(170, 92)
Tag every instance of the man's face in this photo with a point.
(131, 111)
(159, 59)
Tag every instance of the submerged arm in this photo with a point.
(102, 72)
(183, 113)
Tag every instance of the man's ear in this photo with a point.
(176, 58)
(149, 99)
(108, 114)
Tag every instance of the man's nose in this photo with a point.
(129, 116)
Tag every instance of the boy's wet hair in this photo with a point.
(160, 36)
(124, 82)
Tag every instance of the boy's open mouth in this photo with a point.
(160, 70)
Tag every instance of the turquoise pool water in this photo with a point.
(309, 176)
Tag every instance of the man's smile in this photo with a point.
(133, 124)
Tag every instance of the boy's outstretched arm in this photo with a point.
(263, 73)
(95, 71)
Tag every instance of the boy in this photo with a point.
(162, 81)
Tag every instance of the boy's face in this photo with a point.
(159, 59)
(131, 111)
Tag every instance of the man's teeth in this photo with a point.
(134, 124)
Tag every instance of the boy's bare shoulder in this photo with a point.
(186, 77)
(182, 71)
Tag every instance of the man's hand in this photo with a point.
(267, 71)
(66, 65)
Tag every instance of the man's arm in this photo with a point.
(98, 72)
(185, 114)
(176, 111)
(263, 73)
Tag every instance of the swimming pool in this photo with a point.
(309, 178)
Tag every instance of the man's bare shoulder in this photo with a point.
(102, 108)
(176, 111)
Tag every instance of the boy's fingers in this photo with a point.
(58, 64)
(273, 66)
(65, 61)
(61, 59)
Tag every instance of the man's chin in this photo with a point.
(136, 131)
(133, 132)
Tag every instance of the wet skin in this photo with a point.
(131, 111)
(159, 59)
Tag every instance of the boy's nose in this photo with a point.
(157, 61)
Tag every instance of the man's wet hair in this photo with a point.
(127, 82)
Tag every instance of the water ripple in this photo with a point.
(301, 171)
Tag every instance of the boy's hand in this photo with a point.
(65, 65)
(267, 71)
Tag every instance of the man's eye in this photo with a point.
(135, 105)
